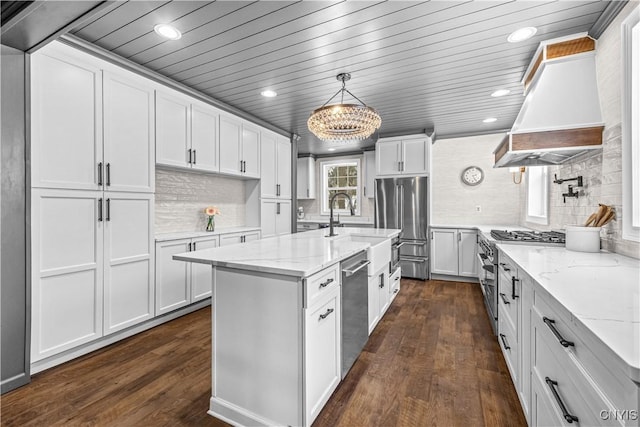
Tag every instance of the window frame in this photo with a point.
(538, 219)
(324, 183)
(630, 41)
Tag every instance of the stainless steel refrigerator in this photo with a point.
(404, 203)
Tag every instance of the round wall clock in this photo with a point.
(472, 175)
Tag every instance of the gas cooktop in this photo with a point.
(520, 236)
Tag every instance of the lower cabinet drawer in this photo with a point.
(573, 393)
(508, 341)
(394, 284)
(318, 284)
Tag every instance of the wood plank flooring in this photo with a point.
(431, 361)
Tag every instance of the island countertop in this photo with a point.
(299, 254)
(600, 290)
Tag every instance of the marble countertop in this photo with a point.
(299, 254)
(600, 290)
(163, 237)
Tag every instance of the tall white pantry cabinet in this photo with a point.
(93, 174)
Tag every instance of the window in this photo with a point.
(340, 176)
(537, 195)
(631, 126)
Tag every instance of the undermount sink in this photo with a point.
(379, 253)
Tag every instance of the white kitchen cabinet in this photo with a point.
(128, 260)
(384, 299)
(275, 166)
(306, 173)
(374, 302)
(201, 273)
(239, 147)
(235, 238)
(129, 133)
(394, 285)
(404, 156)
(186, 132)
(369, 174)
(453, 252)
(66, 119)
(322, 352)
(173, 278)
(91, 124)
(275, 217)
(67, 270)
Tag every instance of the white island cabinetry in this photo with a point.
(276, 324)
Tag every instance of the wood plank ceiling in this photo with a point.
(420, 64)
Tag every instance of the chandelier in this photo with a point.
(344, 122)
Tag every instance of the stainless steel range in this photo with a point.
(488, 256)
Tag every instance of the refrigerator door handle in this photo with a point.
(401, 207)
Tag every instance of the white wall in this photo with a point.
(181, 197)
(602, 172)
(454, 203)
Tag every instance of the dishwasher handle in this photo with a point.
(349, 273)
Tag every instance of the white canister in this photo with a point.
(582, 239)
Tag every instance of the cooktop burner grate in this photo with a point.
(554, 237)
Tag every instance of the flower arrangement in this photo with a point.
(211, 212)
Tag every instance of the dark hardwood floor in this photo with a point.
(431, 361)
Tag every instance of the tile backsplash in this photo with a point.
(181, 197)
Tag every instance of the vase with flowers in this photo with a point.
(211, 212)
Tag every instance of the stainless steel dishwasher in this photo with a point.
(355, 308)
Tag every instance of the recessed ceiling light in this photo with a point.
(168, 31)
(489, 120)
(500, 92)
(269, 93)
(522, 34)
(331, 149)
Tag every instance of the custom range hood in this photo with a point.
(560, 118)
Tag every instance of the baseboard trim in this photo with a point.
(236, 416)
(454, 278)
(87, 348)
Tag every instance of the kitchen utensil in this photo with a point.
(590, 220)
(608, 216)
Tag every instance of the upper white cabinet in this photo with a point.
(369, 189)
(403, 156)
(75, 143)
(239, 147)
(186, 132)
(453, 252)
(275, 166)
(306, 174)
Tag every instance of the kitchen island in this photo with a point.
(276, 323)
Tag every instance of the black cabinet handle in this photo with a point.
(504, 299)
(513, 288)
(100, 209)
(382, 281)
(241, 166)
(100, 174)
(194, 157)
(567, 416)
(504, 266)
(324, 316)
(108, 218)
(504, 342)
(307, 192)
(189, 156)
(325, 284)
(108, 174)
(277, 208)
(561, 340)
(395, 291)
(189, 246)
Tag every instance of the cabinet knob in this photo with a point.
(327, 313)
(325, 284)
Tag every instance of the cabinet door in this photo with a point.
(467, 244)
(129, 140)
(66, 122)
(251, 236)
(388, 158)
(268, 166)
(369, 174)
(543, 408)
(384, 298)
(129, 260)
(268, 217)
(204, 138)
(306, 178)
(444, 251)
(201, 274)
(374, 302)
(230, 239)
(283, 217)
(173, 287)
(284, 168)
(414, 157)
(67, 266)
(229, 141)
(251, 151)
(322, 353)
(173, 133)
